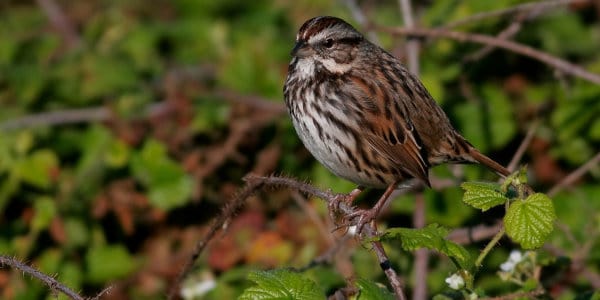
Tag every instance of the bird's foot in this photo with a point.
(362, 217)
(347, 199)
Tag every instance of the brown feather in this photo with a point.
(405, 156)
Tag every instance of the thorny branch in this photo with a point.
(220, 222)
(49, 281)
(255, 183)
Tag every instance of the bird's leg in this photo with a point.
(367, 216)
(349, 198)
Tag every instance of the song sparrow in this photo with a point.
(364, 116)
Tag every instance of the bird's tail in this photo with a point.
(488, 162)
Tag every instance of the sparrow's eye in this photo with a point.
(328, 43)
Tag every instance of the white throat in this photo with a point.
(334, 67)
(306, 67)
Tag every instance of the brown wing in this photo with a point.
(387, 127)
(395, 141)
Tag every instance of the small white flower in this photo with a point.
(455, 281)
(507, 266)
(198, 289)
(514, 258)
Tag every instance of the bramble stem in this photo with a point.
(489, 247)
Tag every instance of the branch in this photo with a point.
(540, 5)
(475, 234)
(520, 295)
(60, 22)
(220, 222)
(523, 147)
(421, 255)
(368, 231)
(575, 175)
(518, 48)
(101, 114)
(52, 118)
(49, 281)
(412, 45)
(361, 19)
(505, 34)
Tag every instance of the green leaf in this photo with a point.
(45, 210)
(108, 263)
(370, 290)
(76, 231)
(169, 186)
(71, 275)
(37, 168)
(171, 194)
(470, 120)
(530, 221)
(431, 237)
(117, 154)
(482, 195)
(210, 115)
(281, 284)
(501, 119)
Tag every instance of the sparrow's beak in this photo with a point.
(302, 49)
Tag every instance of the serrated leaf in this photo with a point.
(482, 195)
(370, 290)
(281, 284)
(431, 237)
(530, 221)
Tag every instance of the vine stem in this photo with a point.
(489, 247)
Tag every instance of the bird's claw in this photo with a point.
(362, 217)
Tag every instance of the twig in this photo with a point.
(361, 19)
(221, 222)
(575, 175)
(327, 256)
(412, 45)
(368, 231)
(592, 276)
(100, 114)
(49, 281)
(385, 265)
(52, 118)
(541, 5)
(489, 247)
(559, 64)
(251, 100)
(505, 34)
(421, 255)
(255, 183)
(523, 147)
(519, 295)
(473, 234)
(314, 217)
(60, 22)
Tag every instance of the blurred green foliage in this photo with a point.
(150, 134)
